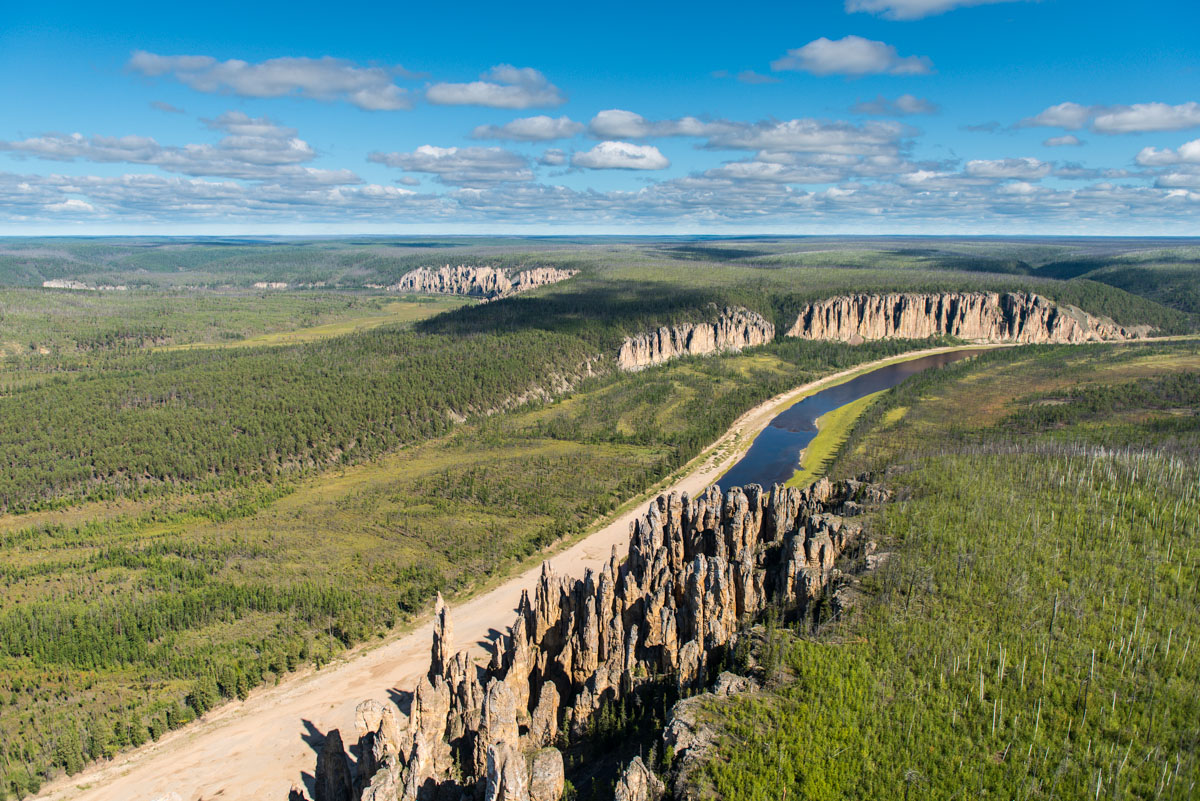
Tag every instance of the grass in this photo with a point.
(832, 429)
(1035, 633)
(394, 313)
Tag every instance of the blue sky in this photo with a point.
(819, 116)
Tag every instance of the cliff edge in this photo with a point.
(978, 316)
(489, 283)
(735, 328)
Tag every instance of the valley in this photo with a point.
(253, 535)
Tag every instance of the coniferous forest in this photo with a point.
(205, 487)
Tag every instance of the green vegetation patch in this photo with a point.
(1034, 634)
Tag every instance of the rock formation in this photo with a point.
(696, 569)
(638, 783)
(489, 283)
(734, 329)
(978, 316)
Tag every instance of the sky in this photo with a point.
(1074, 117)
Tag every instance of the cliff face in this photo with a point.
(695, 570)
(979, 316)
(734, 329)
(484, 282)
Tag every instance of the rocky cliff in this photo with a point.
(732, 330)
(489, 283)
(696, 569)
(978, 316)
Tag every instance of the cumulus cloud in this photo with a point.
(1136, 118)
(1064, 115)
(810, 135)
(853, 56)
(503, 86)
(1142, 117)
(912, 9)
(460, 166)
(1021, 168)
(1188, 153)
(798, 135)
(1069, 140)
(530, 129)
(621, 156)
(253, 148)
(368, 88)
(901, 106)
(615, 123)
(553, 157)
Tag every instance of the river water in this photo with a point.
(775, 453)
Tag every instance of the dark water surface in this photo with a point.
(775, 453)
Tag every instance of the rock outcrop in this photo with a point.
(978, 316)
(695, 570)
(638, 783)
(733, 329)
(489, 283)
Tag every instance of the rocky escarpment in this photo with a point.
(734, 329)
(978, 316)
(696, 569)
(489, 283)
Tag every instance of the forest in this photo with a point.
(1033, 633)
(200, 496)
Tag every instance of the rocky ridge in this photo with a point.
(734, 328)
(979, 316)
(695, 571)
(489, 283)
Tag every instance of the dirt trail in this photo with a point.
(255, 750)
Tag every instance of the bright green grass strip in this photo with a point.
(832, 429)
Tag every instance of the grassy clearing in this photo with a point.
(1035, 634)
(832, 430)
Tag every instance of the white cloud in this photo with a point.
(368, 88)
(901, 106)
(812, 136)
(1136, 118)
(851, 55)
(1142, 117)
(503, 86)
(253, 149)
(530, 129)
(912, 9)
(901, 202)
(72, 204)
(1063, 141)
(1189, 179)
(1023, 168)
(461, 166)
(799, 135)
(615, 123)
(1188, 153)
(621, 156)
(1065, 115)
(553, 157)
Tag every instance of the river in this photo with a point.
(775, 453)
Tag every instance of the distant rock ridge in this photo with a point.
(979, 316)
(733, 329)
(695, 571)
(489, 283)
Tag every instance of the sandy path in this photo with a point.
(257, 749)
